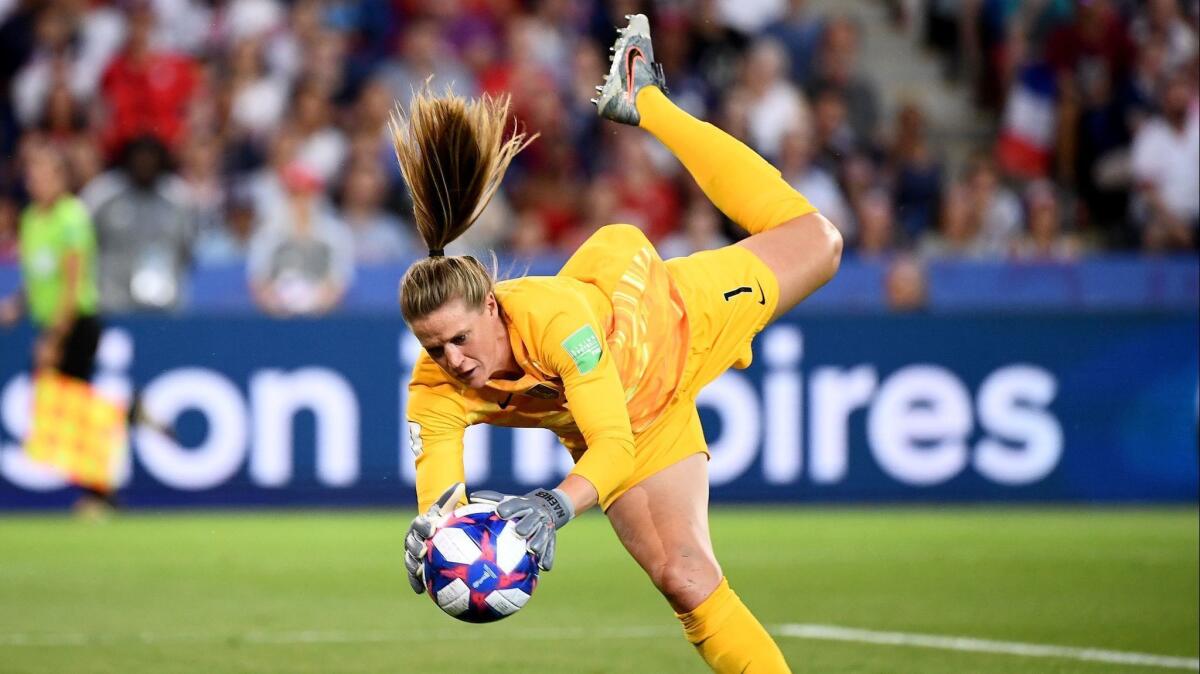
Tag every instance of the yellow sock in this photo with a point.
(729, 637)
(742, 184)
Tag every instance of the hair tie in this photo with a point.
(437, 252)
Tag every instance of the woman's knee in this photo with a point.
(686, 581)
(803, 254)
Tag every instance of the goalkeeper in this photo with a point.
(610, 353)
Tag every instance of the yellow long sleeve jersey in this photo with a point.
(603, 346)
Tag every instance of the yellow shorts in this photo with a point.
(730, 296)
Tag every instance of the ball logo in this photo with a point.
(487, 573)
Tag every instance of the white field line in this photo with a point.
(790, 630)
(973, 645)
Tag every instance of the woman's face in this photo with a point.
(470, 344)
(44, 178)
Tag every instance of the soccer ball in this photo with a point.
(477, 568)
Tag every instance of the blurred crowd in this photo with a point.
(1097, 95)
(255, 132)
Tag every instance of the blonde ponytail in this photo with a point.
(453, 155)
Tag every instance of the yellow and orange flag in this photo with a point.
(76, 430)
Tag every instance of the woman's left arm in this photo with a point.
(596, 398)
(572, 347)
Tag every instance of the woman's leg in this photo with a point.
(803, 253)
(800, 246)
(663, 523)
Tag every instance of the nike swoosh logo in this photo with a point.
(507, 400)
(631, 58)
(762, 297)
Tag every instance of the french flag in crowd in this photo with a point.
(1026, 142)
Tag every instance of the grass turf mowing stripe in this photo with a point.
(790, 630)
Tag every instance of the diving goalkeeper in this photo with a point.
(611, 352)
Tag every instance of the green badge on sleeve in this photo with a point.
(584, 348)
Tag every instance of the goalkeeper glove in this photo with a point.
(422, 528)
(538, 515)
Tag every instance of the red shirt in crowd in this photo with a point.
(147, 94)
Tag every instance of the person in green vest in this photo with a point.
(57, 247)
(58, 270)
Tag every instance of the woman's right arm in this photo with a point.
(437, 421)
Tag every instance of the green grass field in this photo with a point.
(325, 593)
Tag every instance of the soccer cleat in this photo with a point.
(633, 67)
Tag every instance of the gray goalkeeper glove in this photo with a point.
(422, 528)
(538, 514)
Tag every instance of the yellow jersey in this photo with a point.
(603, 346)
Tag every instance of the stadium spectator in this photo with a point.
(1166, 155)
(876, 225)
(552, 188)
(799, 32)
(288, 35)
(837, 69)
(734, 113)
(322, 146)
(201, 185)
(424, 53)
(717, 49)
(601, 206)
(834, 137)
(70, 50)
(673, 50)
(378, 236)
(1161, 22)
(145, 234)
(89, 178)
(63, 120)
(996, 210)
(1145, 81)
(325, 63)
(17, 45)
(266, 182)
(554, 26)
(370, 140)
(146, 90)
(750, 16)
(905, 285)
(701, 231)
(301, 260)
(522, 73)
(529, 237)
(579, 115)
(796, 165)
(1091, 55)
(183, 25)
(257, 96)
(776, 106)
(645, 196)
(1044, 240)
(859, 177)
(914, 172)
(958, 228)
(239, 19)
(229, 242)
